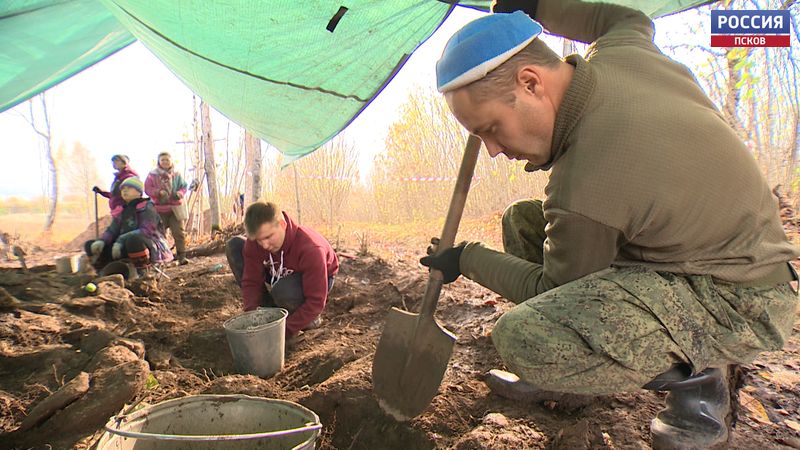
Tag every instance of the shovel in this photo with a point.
(414, 349)
(96, 219)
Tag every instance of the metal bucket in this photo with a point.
(225, 422)
(257, 340)
(127, 270)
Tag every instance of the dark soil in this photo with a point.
(47, 339)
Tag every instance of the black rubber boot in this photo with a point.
(316, 323)
(699, 409)
(126, 269)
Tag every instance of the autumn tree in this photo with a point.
(755, 89)
(414, 177)
(79, 170)
(324, 181)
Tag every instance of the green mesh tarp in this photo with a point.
(294, 73)
(43, 42)
(275, 68)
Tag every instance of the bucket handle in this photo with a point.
(310, 426)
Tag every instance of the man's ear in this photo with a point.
(530, 79)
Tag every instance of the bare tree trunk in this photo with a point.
(226, 192)
(731, 103)
(240, 174)
(297, 192)
(195, 222)
(210, 168)
(52, 203)
(252, 169)
(795, 146)
(258, 169)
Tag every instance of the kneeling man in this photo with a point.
(282, 264)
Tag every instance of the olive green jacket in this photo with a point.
(645, 170)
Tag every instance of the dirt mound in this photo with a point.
(76, 244)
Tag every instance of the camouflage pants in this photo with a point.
(616, 329)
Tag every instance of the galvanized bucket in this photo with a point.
(257, 340)
(210, 422)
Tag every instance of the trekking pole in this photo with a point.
(96, 220)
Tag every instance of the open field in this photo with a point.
(29, 226)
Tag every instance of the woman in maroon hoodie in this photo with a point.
(282, 264)
(115, 202)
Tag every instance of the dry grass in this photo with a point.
(30, 227)
(391, 239)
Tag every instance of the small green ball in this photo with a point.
(91, 287)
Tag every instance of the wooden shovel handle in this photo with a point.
(96, 219)
(450, 229)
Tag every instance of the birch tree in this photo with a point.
(41, 126)
(253, 171)
(210, 168)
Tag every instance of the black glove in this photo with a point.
(447, 262)
(509, 6)
(97, 190)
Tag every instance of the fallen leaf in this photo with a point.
(792, 424)
(785, 378)
(754, 408)
(151, 382)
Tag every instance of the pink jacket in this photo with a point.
(115, 201)
(165, 180)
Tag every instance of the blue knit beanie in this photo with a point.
(481, 46)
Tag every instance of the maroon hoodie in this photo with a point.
(304, 251)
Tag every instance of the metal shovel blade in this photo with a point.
(409, 363)
(413, 352)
